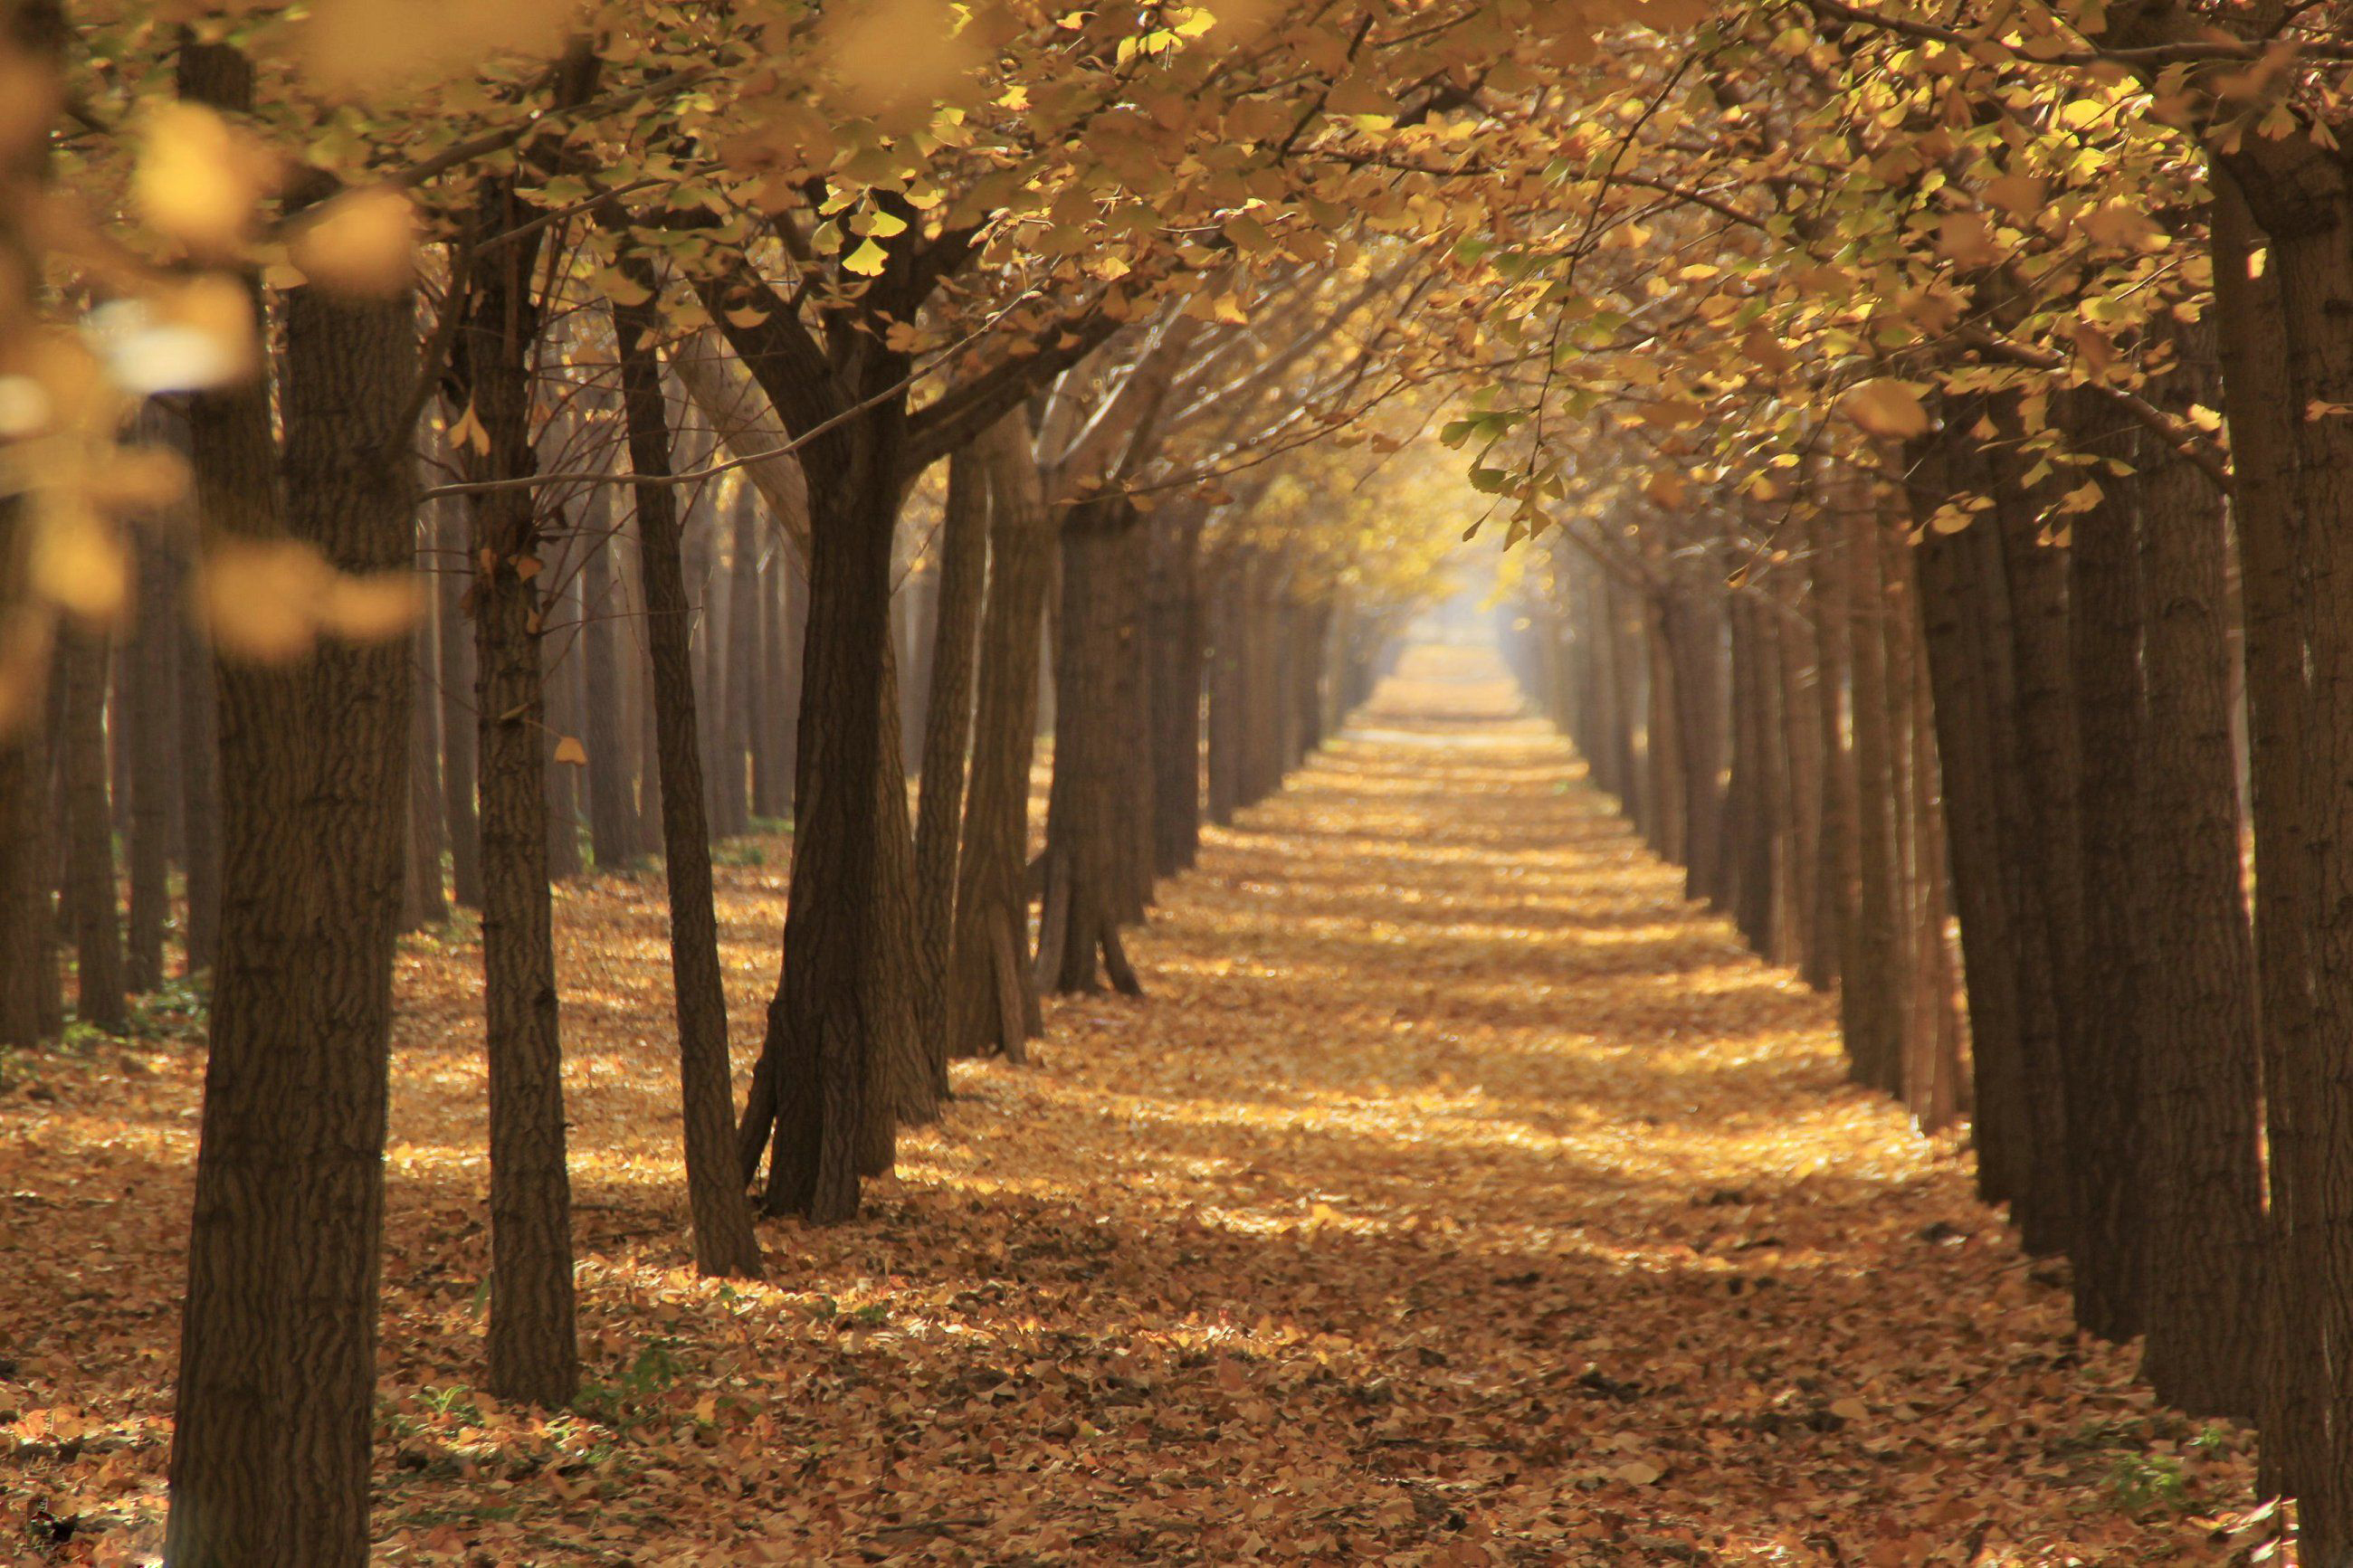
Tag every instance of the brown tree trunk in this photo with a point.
(423, 902)
(560, 694)
(1175, 670)
(458, 716)
(612, 800)
(2103, 629)
(1227, 679)
(724, 1244)
(743, 662)
(1870, 995)
(1084, 825)
(91, 910)
(2270, 524)
(533, 1349)
(2201, 1165)
(992, 1001)
(275, 1410)
(149, 748)
(963, 566)
(1834, 873)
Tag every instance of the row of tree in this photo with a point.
(1941, 569)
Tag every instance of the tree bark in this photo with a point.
(91, 905)
(270, 1441)
(612, 803)
(2102, 1071)
(2201, 1164)
(458, 716)
(1870, 995)
(724, 1244)
(992, 1002)
(948, 729)
(533, 1348)
(149, 747)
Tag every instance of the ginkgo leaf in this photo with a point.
(868, 260)
(1887, 408)
(568, 749)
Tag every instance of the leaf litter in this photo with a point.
(1459, 1195)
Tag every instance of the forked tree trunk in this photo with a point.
(724, 1244)
(277, 1341)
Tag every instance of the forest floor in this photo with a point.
(1459, 1194)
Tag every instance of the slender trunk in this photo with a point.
(458, 715)
(1175, 670)
(612, 804)
(533, 1349)
(90, 903)
(1870, 998)
(423, 902)
(724, 1240)
(947, 727)
(1834, 868)
(743, 662)
(560, 693)
(148, 747)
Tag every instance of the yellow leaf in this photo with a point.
(1637, 1472)
(198, 179)
(362, 243)
(569, 750)
(1887, 407)
(868, 260)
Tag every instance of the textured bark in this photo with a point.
(1801, 749)
(2268, 525)
(947, 730)
(458, 741)
(1084, 823)
(423, 901)
(992, 1004)
(772, 786)
(1225, 679)
(533, 1348)
(560, 692)
(2022, 644)
(2201, 1165)
(724, 1244)
(148, 746)
(1175, 665)
(743, 662)
(27, 961)
(612, 800)
(196, 708)
(91, 908)
(2104, 1069)
(270, 1442)
(1870, 995)
(1834, 873)
(1954, 602)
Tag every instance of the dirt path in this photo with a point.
(1457, 1195)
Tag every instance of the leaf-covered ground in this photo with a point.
(1459, 1195)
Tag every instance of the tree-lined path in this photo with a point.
(1460, 1194)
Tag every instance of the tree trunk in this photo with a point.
(458, 716)
(1083, 852)
(724, 1244)
(91, 909)
(2103, 1071)
(1175, 670)
(278, 1347)
(742, 661)
(992, 1001)
(149, 747)
(2271, 523)
(423, 902)
(947, 726)
(1834, 872)
(1871, 997)
(612, 802)
(533, 1349)
(2201, 1166)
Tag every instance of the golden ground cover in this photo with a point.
(1458, 1196)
